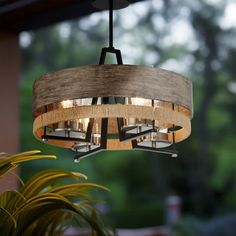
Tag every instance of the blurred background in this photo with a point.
(195, 193)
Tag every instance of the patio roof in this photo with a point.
(21, 15)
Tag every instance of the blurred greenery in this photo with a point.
(204, 175)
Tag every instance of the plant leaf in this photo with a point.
(44, 179)
(9, 216)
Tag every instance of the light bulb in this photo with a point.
(141, 102)
(67, 104)
(83, 101)
(84, 123)
(165, 130)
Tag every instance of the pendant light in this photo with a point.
(112, 106)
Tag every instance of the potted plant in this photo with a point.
(43, 206)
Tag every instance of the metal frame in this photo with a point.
(120, 121)
(170, 150)
(124, 136)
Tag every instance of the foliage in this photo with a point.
(44, 206)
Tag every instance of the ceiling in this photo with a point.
(22, 15)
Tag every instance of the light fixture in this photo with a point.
(112, 107)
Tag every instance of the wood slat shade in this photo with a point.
(111, 111)
(171, 91)
(112, 80)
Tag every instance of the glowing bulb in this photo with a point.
(83, 101)
(141, 102)
(67, 103)
(96, 128)
(84, 123)
(165, 130)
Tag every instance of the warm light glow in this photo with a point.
(165, 130)
(83, 101)
(138, 101)
(84, 123)
(96, 128)
(67, 104)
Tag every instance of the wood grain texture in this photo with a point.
(115, 144)
(161, 114)
(112, 80)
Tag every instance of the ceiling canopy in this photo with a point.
(21, 15)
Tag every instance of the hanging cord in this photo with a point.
(110, 48)
(110, 23)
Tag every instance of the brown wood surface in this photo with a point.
(112, 80)
(115, 144)
(163, 115)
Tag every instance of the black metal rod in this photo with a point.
(104, 127)
(152, 149)
(111, 23)
(90, 124)
(173, 136)
(173, 133)
(62, 138)
(82, 155)
(45, 127)
(153, 121)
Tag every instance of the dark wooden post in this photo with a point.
(9, 100)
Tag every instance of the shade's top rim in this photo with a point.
(112, 80)
(78, 68)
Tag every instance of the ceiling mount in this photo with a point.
(105, 4)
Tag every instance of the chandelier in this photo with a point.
(112, 106)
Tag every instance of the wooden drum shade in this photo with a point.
(112, 80)
(171, 91)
